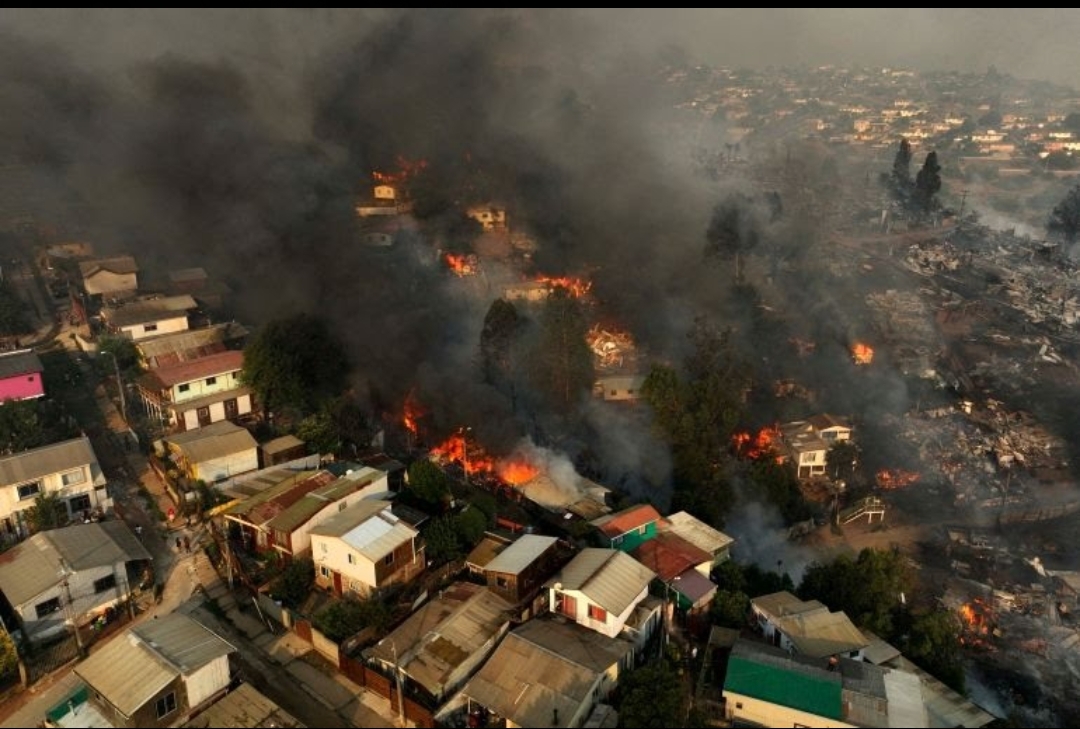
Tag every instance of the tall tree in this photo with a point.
(1065, 217)
(651, 696)
(562, 363)
(867, 588)
(928, 183)
(21, 427)
(901, 169)
(295, 363)
(48, 512)
(502, 325)
(733, 230)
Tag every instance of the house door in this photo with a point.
(569, 606)
(337, 583)
(204, 416)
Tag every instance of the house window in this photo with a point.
(184, 387)
(642, 529)
(166, 705)
(211, 381)
(502, 582)
(389, 559)
(616, 541)
(324, 571)
(29, 491)
(598, 613)
(149, 327)
(107, 582)
(30, 378)
(47, 608)
(79, 503)
(352, 558)
(73, 477)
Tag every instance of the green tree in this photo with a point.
(901, 169)
(780, 487)
(1065, 217)
(21, 427)
(502, 327)
(562, 363)
(932, 639)
(345, 618)
(841, 461)
(295, 363)
(651, 696)
(319, 432)
(428, 486)
(734, 229)
(729, 609)
(294, 583)
(9, 655)
(470, 525)
(867, 588)
(928, 183)
(47, 512)
(442, 541)
(123, 349)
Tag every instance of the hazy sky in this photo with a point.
(1029, 43)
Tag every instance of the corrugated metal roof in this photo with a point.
(34, 464)
(528, 684)
(606, 577)
(31, 567)
(694, 586)
(878, 651)
(520, 554)
(284, 443)
(576, 643)
(190, 344)
(779, 604)
(697, 532)
(946, 707)
(369, 527)
(185, 275)
(220, 363)
(627, 520)
(482, 554)
(243, 708)
(903, 692)
(763, 672)
(213, 441)
(130, 669)
(669, 555)
(821, 633)
(22, 362)
(116, 264)
(146, 311)
(313, 502)
(443, 634)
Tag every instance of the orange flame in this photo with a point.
(413, 413)
(455, 449)
(896, 478)
(765, 443)
(517, 472)
(461, 265)
(578, 287)
(862, 354)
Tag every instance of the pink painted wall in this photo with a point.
(21, 387)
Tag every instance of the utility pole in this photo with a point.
(70, 607)
(119, 385)
(400, 690)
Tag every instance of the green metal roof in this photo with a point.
(793, 689)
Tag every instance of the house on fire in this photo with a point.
(808, 441)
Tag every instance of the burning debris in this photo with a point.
(462, 264)
(577, 287)
(766, 443)
(895, 478)
(611, 349)
(803, 347)
(862, 354)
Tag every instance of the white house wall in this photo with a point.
(227, 466)
(333, 553)
(84, 601)
(765, 713)
(217, 412)
(92, 485)
(196, 389)
(612, 626)
(162, 326)
(207, 681)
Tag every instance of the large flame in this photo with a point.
(896, 478)
(462, 265)
(862, 354)
(765, 443)
(516, 472)
(456, 449)
(413, 413)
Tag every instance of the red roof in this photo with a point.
(197, 369)
(669, 555)
(267, 511)
(629, 520)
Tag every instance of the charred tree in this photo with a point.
(561, 363)
(1065, 217)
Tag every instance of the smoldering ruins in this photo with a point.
(434, 183)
